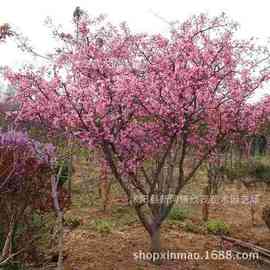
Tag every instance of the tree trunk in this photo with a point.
(60, 241)
(107, 203)
(155, 241)
(205, 204)
(155, 246)
(105, 189)
(205, 211)
(70, 172)
(60, 215)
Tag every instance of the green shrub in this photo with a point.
(72, 222)
(260, 171)
(178, 214)
(216, 226)
(254, 168)
(239, 171)
(103, 226)
(193, 228)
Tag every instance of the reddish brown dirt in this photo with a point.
(89, 250)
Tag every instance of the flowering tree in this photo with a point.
(232, 156)
(156, 107)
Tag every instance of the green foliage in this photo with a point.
(260, 171)
(72, 223)
(194, 228)
(255, 168)
(64, 176)
(216, 226)
(123, 216)
(178, 214)
(103, 226)
(259, 145)
(238, 171)
(84, 152)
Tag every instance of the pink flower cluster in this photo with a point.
(135, 92)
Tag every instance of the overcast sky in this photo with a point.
(29, 15)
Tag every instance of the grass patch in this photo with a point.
(72, 222)
(217, 226)
(194, 228)
(257, 168)
(103, 226)
(123, 216)
(178, 214)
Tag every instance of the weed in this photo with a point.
(103, 226)
(216, 226)
(178, 214)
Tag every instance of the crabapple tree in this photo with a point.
(155, 106)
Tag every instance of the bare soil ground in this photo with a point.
(88, 247)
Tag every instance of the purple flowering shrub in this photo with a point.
(26, 168)
(24, 163)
